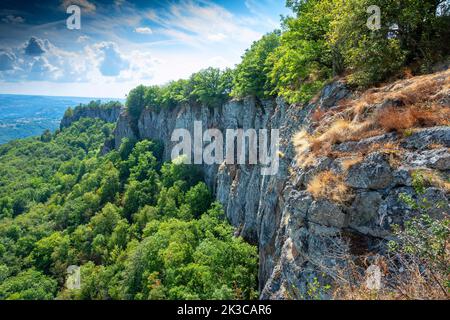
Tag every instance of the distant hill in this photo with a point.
(24, 116)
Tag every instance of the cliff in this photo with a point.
(108, 114)
(345, 135)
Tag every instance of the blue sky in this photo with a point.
(123, 43)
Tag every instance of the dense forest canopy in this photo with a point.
(139, 229)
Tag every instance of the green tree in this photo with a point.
(304, 59)
(135, 105)
(28, 285)
(198, 199)
(251, 75)
(211, 87)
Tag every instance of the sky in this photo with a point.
(121, 44)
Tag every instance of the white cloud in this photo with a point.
(199, 23)
(189, 35)
(103, 62)
(143, 30)
(218, 62)
(7, 60)
(34, 47)
(11, 19)
(41, 69)
(111, 61)
(85, 5)
(142, 66)
(216, 37)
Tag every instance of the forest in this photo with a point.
(139, 228)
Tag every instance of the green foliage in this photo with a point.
(28, 285)
(331, 37)
(304, 60)
(135, 104)
(211, 87)
(32, 170)
(251, 75)
(198, 199)
(412, 33)
(196, 259)
(138, 228)
(80, 111)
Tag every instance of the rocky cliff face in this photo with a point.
(294, 230)
(110, 114)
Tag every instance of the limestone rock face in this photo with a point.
(422, 139)
(108, 115)
(373, 173)
(296, 233)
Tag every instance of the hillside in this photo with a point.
(138, 228)
(360, 173)
(316, 168)
(23, 116)
(347, 159)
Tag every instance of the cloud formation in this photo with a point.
(111, 63)
(40, 60)
(12, 19)
(85, 5)
(6, 61)
(126, 43)
(34, 47)
(193, 22)
(143, 30)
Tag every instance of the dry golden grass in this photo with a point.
(354, 120)
(434, 179)
(414, 286)
(346, 164)
(404, 277)
(436, 146)
(416, 92)
(317, 115)
(331, 186)
(401, 119)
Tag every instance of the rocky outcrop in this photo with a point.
(296, 233)
(109, 114)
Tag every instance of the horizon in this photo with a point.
(58, 96)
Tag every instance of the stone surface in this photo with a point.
(364, 210)
(435, 159)
(373, 173)
(326, 213)
(422, 139)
